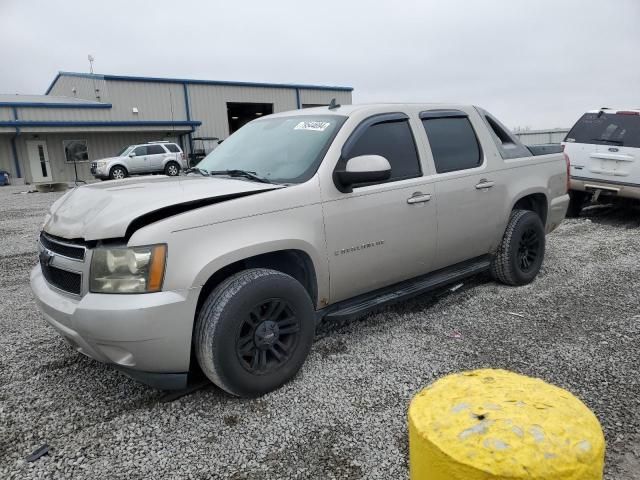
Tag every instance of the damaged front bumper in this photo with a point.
(147, 336)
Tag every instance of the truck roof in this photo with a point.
(374, 107)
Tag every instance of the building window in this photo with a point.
(75, 151)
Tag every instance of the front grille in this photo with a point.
(63, 249)
(67, 281)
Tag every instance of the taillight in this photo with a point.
(627, 112)
(568, 162)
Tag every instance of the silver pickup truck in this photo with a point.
(322, 213)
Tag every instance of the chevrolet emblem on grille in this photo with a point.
(46, 257)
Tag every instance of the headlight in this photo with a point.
(101, 164)
(128, 270)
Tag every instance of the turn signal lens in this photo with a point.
(156, 270)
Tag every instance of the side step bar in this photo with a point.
(361, 305)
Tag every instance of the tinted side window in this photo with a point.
(172, 147)
(453, 143)
(394, 141)
(140, 151)
(155, 150)
(607, 129)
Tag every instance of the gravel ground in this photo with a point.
(344, 416)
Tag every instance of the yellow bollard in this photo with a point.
(498, 425)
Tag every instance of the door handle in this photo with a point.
(418, 197)
(484, 184)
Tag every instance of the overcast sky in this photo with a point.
(535, 63)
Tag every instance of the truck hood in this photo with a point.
(110, 209)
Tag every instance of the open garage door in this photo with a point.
(241, 113)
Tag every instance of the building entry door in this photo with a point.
(39, 161)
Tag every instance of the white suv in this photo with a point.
(604, 150)
(151, 157)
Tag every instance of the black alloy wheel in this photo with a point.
(267, 336)
(528, 249)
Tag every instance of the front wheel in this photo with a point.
(521, 251)
(117, 173)
(254, 332)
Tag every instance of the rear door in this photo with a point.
(605, 146)
(156, 156)
(467, 193)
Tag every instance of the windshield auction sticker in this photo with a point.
(312, 125)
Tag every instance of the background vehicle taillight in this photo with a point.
(568, 162)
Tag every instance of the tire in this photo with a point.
(172, 169)
(118, 173)
(239, 338)
(577, 200)
(521, 251)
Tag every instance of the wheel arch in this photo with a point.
(118, 164)
(293, 262)
(167, 161)
(534, 201)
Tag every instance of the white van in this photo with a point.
(604, 150)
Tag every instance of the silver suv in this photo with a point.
(298, 217)
(151, 157)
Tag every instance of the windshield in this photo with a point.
(281, 149)
(617, 129)
(124, 151)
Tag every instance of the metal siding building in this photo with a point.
(539, 137)
(109, 112)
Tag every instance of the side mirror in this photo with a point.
(132, 154)
(362, 169)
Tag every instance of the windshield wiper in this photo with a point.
(201, 171)
(241, 173)
(617, 142)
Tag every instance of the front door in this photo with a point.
(384, 233)
(39, 161)
(138, 162)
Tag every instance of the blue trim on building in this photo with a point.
(150, 123)
(188, 112)
(14, 151)
(54, 105)
(298, 98)
(126, 78)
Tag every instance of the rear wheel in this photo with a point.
(172, 169)
(254, 332)
(117, 173)
(521, 251)
(577, 200)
